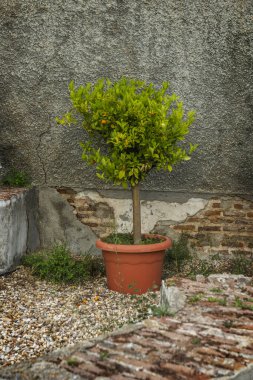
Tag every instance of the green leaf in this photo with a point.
(71, 86)
(122, 174)
(139, 125)
(100, 176)
(193, 148)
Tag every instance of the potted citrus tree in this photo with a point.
(141, 128)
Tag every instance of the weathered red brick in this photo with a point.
(120, 377)
(248, 228)
(126, 362)
(234, 228)
(84, 207)
(232, 243)
(244, 221)
(209, 351)
(82, 215)
(86, 369)
(195, 219)
(234, 213)
(224, 220)
(92, 224)
(65, 190)
(185, 227)
(140, 375)
(216, 205)
(212, 213)
(238, 206)
(209, 228)
(180, 369)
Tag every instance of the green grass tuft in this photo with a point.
(58, 265)
(179, 261)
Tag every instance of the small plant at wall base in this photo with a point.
(58, 265)
(16, 178)
(143, 128)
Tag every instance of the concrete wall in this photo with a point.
(204, 48)
(38, 218)
(18, 226)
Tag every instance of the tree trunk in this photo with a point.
(136, 213)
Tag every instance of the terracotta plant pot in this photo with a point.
(134, 269)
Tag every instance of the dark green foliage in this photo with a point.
(244, 305)
(220, 301)
(181, 262)
(241, 263)
(216, 290)
(161, 311)
(73, 362)
(197, 266)
(126, 238)
(196, 341)
(196, 298)
(103, 355)
(228, 324)
(142, 126)
(177, 256)
(16, 178)
(59, 266)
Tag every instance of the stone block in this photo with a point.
(18, 226)
(172, 298)
(59, 225)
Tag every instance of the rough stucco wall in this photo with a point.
(204, 48)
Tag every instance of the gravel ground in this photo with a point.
(37, 317)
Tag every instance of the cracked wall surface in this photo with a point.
(203, 48)
(212, 225)
(106, 215)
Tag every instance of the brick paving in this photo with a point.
(210, 338)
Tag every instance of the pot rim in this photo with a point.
(137, 248)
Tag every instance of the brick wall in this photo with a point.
(99, 216)
(224, 226)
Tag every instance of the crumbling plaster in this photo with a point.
(152, 211)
